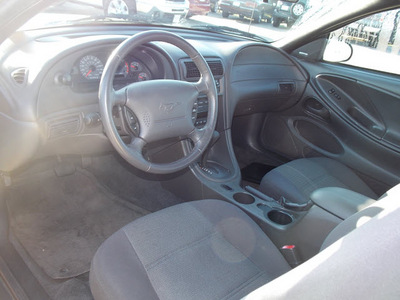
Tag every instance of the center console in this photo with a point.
(217, 176)
(306, 228)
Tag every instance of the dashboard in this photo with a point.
(50, 83)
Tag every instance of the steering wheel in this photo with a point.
(163, 108)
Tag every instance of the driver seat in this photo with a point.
(210, 249)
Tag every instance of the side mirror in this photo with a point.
(336, 51)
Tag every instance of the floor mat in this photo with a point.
(123, 180)
(255, 172)
(61, 221)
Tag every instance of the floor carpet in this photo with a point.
(61, 221)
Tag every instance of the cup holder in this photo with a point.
(279, 217)
(243, 198)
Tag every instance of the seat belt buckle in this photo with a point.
(290, 253)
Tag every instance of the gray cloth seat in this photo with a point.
(210, 249)
(296, 180)
(206, 249)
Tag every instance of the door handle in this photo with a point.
(366, 121)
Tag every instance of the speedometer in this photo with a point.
(91, 67)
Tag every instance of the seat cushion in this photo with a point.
(297, 179)
(206, 249)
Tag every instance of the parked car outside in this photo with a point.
(156, 10)
(198, 7)
(288, 11)
(119, 7)
(254, 9)
(214, 6)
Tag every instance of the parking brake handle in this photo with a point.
(294, 206)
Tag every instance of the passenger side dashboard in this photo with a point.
(265, 79)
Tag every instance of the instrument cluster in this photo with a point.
(86, 72)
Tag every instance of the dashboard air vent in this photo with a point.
(20, 75)
(215, 66)
(65, 126)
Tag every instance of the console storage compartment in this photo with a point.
(340, 202)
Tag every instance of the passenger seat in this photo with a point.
(298, 179)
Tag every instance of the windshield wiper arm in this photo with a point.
(230, 31)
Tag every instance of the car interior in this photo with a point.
(154, 162)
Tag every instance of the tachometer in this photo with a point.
(91, 67)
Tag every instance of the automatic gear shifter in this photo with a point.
(204, 163)
(214, 139)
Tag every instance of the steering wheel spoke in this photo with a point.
(136, 145)
(196, 135)
(201, 85)
(118, 97)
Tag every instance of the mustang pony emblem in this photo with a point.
(168, 107)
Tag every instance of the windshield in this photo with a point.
(266, 20)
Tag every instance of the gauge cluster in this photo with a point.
(87, 70)
(133, 68)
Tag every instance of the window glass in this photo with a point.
(260, 20)
(375, 41)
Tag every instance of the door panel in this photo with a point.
(352, 101)
(347, 114)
